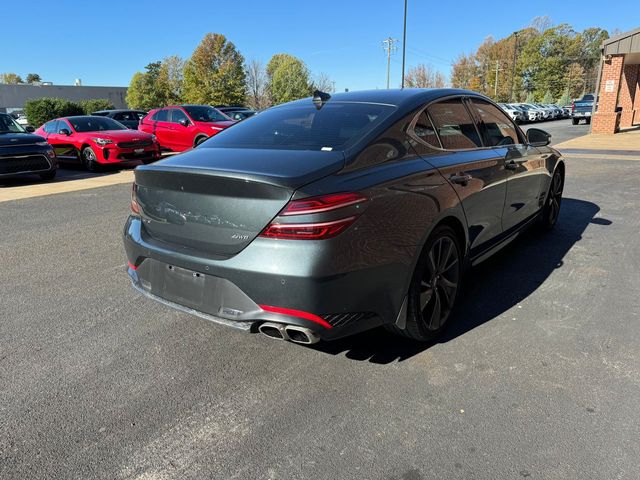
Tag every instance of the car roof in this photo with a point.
(116, 110)
(406, 97)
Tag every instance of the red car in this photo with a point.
(179, 128)
(96, 141)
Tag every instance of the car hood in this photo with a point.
(120, 135)
(10, 139)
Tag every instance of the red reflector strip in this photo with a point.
(296, 313)
(131, 266)
(307, 231)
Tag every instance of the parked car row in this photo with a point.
(110, 136)
(534, 112)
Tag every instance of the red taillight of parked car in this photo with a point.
(320, 230)
(135, 208)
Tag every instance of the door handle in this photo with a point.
(461, 179)
(511, 165)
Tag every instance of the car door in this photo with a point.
(163, 128)
(476, 173)
(524, 165)
(182, 136)
(62, 143)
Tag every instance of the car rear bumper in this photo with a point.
(285, 284)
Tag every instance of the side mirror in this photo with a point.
(538, 138)
(29, 129)
(184, 122)
(64, 131)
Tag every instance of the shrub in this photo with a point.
(42, 110)
(90, 106)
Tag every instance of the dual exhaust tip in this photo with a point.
(292, 333)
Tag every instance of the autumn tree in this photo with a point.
(170, 79)
(424, 76)
(143, 92)
(288, 78)
(215, 73)
(257, 93)
(10, 78)
(33, 78)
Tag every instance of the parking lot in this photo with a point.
(538, 378)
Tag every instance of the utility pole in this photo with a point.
(404, 42)
(495, 86)
(515, 56)
(389, 45)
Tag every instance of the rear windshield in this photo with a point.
(336, 126)
(94, 124)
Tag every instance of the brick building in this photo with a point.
(618, 91)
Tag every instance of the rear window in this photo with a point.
(336, 126)
(202, 113)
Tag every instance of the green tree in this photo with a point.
(215, 73)
(42, 110)
(10, 78)
(144, 92)
(531, 98)
(33, 78)
(170, 79)
(565, 99)
(95, 105)
(548, 98)
(288, 78)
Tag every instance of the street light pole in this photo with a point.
(515, 56)
(404, 41)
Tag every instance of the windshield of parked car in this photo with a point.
(9, 125)
(94, 124)
(202, 113)
(336, 126)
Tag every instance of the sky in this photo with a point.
(105, 42)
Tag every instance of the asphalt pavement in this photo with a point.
(538, 378)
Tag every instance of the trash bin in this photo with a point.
(618, 116)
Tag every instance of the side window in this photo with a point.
(423, 129)
(161, 115)
(139, 115)
(454, 125)
(50, 127)
(122, 116)
(62, 124)
(495, 127)
(178, 115)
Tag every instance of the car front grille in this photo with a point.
(136, 144)
(23, 164)
(343, 319)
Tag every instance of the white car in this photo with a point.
(515, 114)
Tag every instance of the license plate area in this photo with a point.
(138, 151)
(183, 286)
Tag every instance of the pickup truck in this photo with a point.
(582, 109)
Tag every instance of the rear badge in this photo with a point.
(229, 312)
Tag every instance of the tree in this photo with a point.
(10, 78)
(257, 94)
(144, 92)
(322, 82)
(424, 76)
(574, 79)
(42, 110)
(33, 78)
(95, 105)
(565, 99)
(531, 98)
(465, 72)
(214, 73)
(548, 98)
(170, 79)
(288, 78)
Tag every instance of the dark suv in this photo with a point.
(129, 118)
(21, 152)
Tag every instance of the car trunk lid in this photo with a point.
(214, 202)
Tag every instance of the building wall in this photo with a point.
(605, 118)
(15, 96)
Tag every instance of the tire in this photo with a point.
(89, 159)
(551, 209)
(434, 286)
(199, 140)
(588, 120)
(575, 121)
(48, 175)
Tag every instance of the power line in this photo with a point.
(389, 46)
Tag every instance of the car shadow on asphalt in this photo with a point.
(66, 172)
(489, 290)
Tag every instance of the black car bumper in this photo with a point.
(25, 159)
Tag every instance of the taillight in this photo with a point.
(135, 208)
(319, 230)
